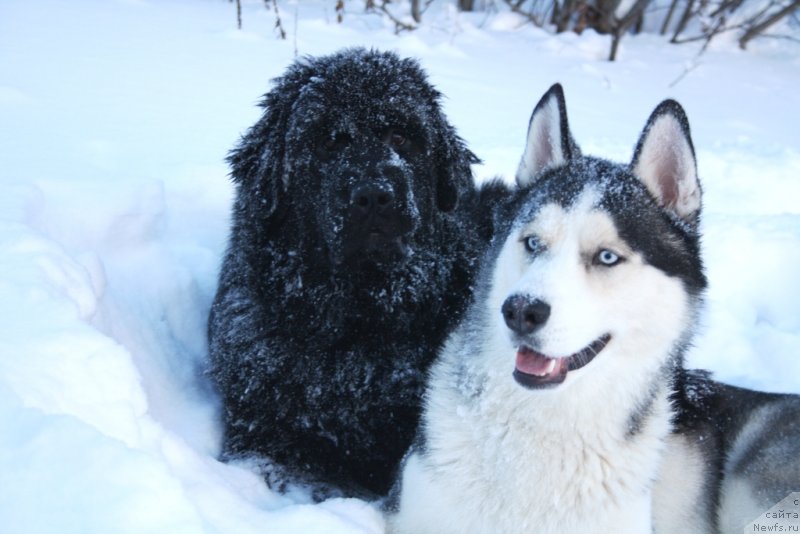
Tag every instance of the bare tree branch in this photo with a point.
(668, 18)
(399, 25)
(278, 23)
(688, 13)
(759, 28)
(538, 21)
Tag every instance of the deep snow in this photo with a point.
(115, 118)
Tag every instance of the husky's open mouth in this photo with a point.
(535, 370)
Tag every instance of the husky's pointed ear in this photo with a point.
(549, 142)
(664, 161)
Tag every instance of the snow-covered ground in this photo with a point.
(115, 118)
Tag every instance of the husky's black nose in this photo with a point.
(524, 315)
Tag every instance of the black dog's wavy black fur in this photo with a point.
(356, 230)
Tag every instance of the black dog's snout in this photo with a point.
(524, 315)
(372, 198)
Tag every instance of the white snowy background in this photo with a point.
(115, 118)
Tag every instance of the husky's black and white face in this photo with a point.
(599, 272)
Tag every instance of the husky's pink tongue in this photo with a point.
(533, 363)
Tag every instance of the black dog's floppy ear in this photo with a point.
(453, 171)
(549, 142)
(258, 162)
(664, 161)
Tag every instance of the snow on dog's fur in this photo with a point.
(356, 231)
(549, 410)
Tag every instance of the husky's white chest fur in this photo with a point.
(501, 463)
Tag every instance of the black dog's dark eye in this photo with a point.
(397, 139)
(330, 145)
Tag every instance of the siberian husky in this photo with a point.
(560, 404)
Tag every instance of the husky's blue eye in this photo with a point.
(607, 257)
(532, 244)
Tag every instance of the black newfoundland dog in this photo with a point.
(356, 229)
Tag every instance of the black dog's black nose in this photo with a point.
(372, 198)
(523, 315)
